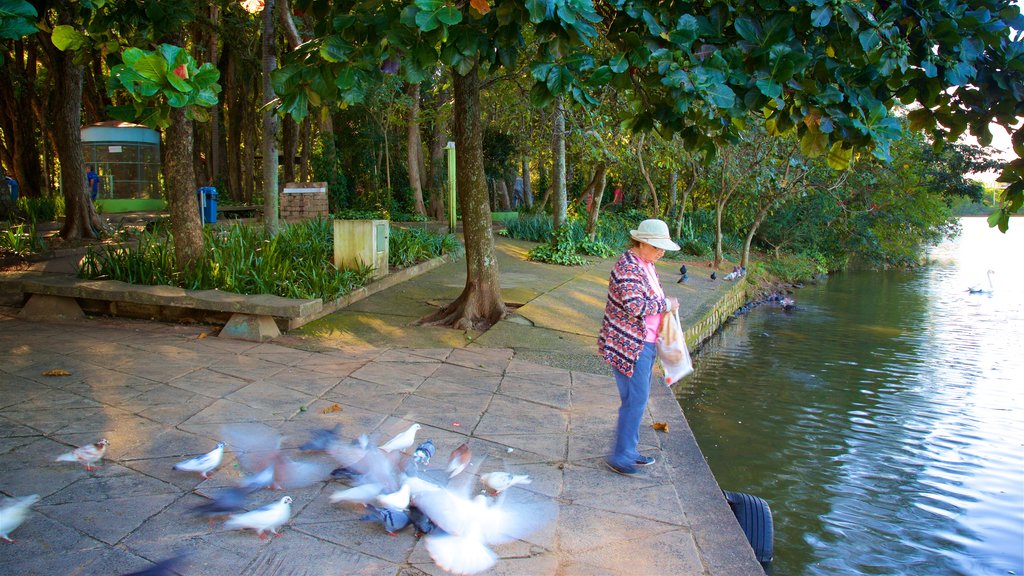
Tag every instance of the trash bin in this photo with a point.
(208, 204)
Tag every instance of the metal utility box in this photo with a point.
(362, 243)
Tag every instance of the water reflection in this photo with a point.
(880, 420)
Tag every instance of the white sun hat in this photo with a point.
(655, 233)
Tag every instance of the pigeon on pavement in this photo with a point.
(362, 494)
(398, 500)
(500, 481)
(393, 520)
(12, 514)
(270, 517)
(402, 441)
(257, 481)
(257, 446)
(87, 455)
(424, 452)
(204, 463)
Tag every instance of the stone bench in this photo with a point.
(59, 296)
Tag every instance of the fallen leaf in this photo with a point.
(303, 408)
(331, 408)
(202, 335)
(660, 426)
(57, 372)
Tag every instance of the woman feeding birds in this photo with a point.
(632, 316)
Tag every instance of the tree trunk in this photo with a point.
(269, 148)
(501, 190)
(181, 191)
(656, 211)
(214, 144)
(19, 148)
(290, 147)
(527, 189)
(81, 220)
(480, 304)
(306, 137)
(233, 101)
(686, 196)
(438, 168)
(719, 208)
(414, 149)
(600, 180)
(558, 153)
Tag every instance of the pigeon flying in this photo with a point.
(270, 517)
(204, 463)
(322, 438)
(458, 461)
(87, 455)
(500, 481)
(402, 441)
(12, 514)
(225, 502)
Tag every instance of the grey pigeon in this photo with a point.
(392, 520)
(321, 438)
(420, 521)
(714, 276)
(166, 567)
(424, 452)
(257, 481)
(13, 512)
(225, 502)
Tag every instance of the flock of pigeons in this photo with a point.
(392, 484)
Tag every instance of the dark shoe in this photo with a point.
(645, 461)
(625, 471)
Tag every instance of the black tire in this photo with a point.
(755, 517)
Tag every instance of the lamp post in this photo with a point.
(451, 186)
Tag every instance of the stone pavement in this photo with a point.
(162, 392)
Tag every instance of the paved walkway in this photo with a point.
(528, 394)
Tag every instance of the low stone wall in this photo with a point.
(706, 327)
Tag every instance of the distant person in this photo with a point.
(12, 185)
(617, 196)
(93, 181)
(632, 316)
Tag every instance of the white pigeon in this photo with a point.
(472, 526)
(12, 514)
(362, 494)
(403, 441)
(87, 455)
(270, 517)
(204, 463)
(398, 500)
(500, 481)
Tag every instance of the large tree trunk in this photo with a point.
(235, 122)
(480, 304)
(558, 153)
(269, 148)
(414, 148)
(81, 220)
(181, 191)
(290, 147)
(686, 196)
(438, 168)
(19, 147)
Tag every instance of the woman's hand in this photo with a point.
(673, 303)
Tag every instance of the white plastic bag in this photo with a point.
(672, 351)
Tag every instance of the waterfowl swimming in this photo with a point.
(979, 289)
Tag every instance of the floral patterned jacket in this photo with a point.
(630, 298)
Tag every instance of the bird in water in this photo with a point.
(979, 289)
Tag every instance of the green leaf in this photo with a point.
(869, 39)
(838, 157)
(618, 63)
(67, 38)
(960, 74)
(770, 88)
(174, 55)
(206, 97)
(600, 76)
(559, 80)
(721, 95)
(449, 15)
(335, 49)
(540, 97)
(820, 17)
(813, 144)
(152, 67)
(748, 29)
(175, 99)
(540, 71)
(921, 119)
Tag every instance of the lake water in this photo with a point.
(883, 419)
